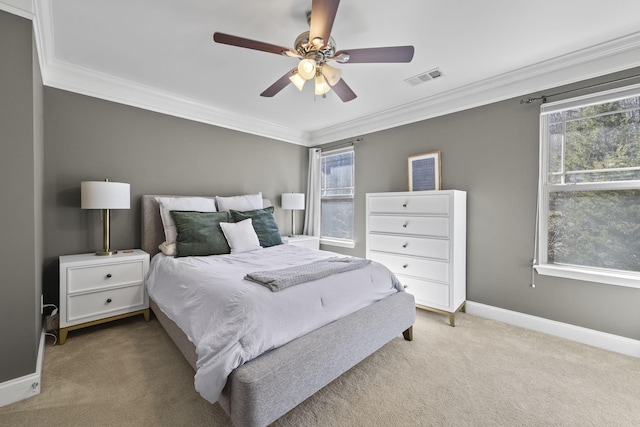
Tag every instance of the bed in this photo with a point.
(261, 390)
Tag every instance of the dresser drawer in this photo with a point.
(435, 204)
(101, 303)
(432, 270)
(417, 225)
(98, 276)
(405, 245)
(427, 293)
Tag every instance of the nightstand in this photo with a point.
(96, 289)
(312, 242)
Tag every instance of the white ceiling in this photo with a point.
(160, 55)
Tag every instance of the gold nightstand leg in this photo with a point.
(63, 331)
(63, 336)
(452, 319)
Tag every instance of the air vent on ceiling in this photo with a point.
(424, 77)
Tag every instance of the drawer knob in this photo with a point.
(405, 245)
(404, 205)
(109, 276)
(405, 266)
(404, 225)
(108, 300)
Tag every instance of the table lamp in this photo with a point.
(293, 202)
(105, 195)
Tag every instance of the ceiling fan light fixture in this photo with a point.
(307, 68)
(333, 75)
(297, 81)
(322, 86)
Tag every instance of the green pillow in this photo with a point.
(264, 224)
(199, 233)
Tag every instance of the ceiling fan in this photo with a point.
(314, 48)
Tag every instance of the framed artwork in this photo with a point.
(424, 171)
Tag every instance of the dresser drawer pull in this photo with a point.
(404, 205)
(108, 300)
(404, 225)
(405, 245)
(109, 276)
(405, 266)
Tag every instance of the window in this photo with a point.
(589, 207)
(336, 197)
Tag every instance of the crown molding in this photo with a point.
(80, 80)
(610, 57)
(616, 55)
(22, 8)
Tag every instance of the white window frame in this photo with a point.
(333, 241)
(590, 274)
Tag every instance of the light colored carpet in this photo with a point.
(480, 373)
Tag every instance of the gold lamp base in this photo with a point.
(109, 252)
(106, 219)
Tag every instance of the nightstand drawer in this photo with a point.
(106, 275)
(99, 304)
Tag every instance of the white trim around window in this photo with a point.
(570, 271)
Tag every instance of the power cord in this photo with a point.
(50, 322)
(55, 309)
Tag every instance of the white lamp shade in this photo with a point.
(322, 86)
(307, 68)
(297, 81)
(293, 201)
(104, 195)
(333, 75)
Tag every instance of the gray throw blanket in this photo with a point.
(277, 280)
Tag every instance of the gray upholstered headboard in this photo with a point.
(152, 229)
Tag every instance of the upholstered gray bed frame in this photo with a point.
(262, 390)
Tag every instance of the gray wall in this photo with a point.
(492, 153)
(92, 139)
(21, 191)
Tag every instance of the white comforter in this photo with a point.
(232, 320)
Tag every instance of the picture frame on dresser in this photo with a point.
(424, 171)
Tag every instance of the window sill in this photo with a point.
(343, 243)
(609, 277)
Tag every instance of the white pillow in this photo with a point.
(168, 249)
(168, 204)
(248, 202)
(241, 236)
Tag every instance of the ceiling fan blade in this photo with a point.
(253, 44)
(280, 84)
(343, 91)
(375, 54)
(323, 13)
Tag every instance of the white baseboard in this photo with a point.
(26, 386)
(592, 337)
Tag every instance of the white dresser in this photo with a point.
(97, 289)
(421, 237)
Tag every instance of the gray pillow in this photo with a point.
(264, 224)
(199, 233)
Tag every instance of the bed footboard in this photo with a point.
(264, 389)
(261, 391)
